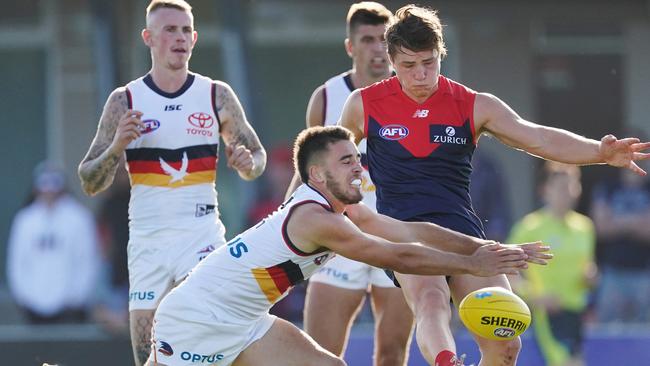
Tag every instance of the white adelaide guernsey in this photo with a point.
(240, 281)
(172, 166)
(337, 90)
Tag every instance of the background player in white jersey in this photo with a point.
(339, 289)
(219, 314)
(168, 124)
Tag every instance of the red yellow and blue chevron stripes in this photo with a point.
(275, 281)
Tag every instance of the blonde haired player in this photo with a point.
(219, 314)
(167, 124)
(339, 289)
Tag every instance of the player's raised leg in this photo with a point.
(492, 352)
(393, 326)
(341, 306)
(428, 298)
(286, 345)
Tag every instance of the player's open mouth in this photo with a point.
(356, 183)
(179, 50)
(378, 61)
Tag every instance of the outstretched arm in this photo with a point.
(243, 148)
(432, 235)
(313, 227)
(118, 126)
(496, 117)
(423, 232)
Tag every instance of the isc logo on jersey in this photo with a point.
(393, 132)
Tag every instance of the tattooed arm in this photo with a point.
(118, 126)
(243, 148)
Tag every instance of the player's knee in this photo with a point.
(505, 350)
(434, 302)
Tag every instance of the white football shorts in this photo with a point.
(352, 275)
(158, 260)
(188, 333)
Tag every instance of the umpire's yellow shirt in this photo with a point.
(572, 242)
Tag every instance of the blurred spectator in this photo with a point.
(52, 257)
(621, 212)
(558, 293)
(489, 192)
(113, 219)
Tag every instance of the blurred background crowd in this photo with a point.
(583, 65)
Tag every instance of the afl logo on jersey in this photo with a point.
(393, 132)
(150, 125)
(200, 120)
(450, 131)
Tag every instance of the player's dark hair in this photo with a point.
(417, 29)
(366, 13)
(312, 143)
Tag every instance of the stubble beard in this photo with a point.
(339, 193)
(376, 73)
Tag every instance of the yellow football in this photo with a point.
(494, 313)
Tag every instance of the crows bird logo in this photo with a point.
(177, 175)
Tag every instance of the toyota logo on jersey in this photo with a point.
(200, 120)
(393, 132)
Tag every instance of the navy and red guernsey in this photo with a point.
(419, 155)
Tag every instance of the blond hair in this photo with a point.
(181, 5)
(173, 4)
